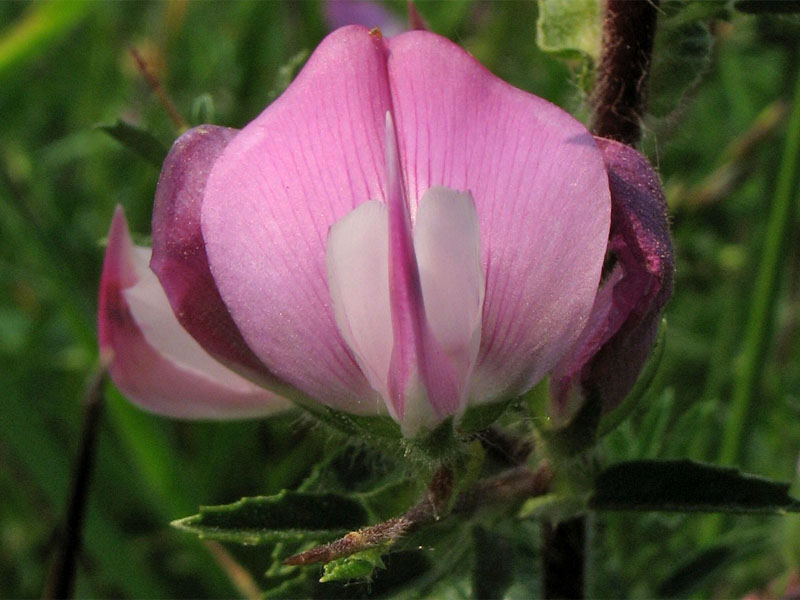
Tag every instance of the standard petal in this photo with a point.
(610, 354)
(179, 255)
(153, 360)
(310, 158)
(358, 279)
(541, 193)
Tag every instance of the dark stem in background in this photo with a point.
(620, 92)
(177, 120)
(61, 580)
(618, 103)
(564, 560)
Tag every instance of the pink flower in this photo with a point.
(399, 233)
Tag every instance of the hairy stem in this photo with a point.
(620, 93)
(618, 102)
(513, 485)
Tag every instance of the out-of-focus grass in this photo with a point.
(65, 68)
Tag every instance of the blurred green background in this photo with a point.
(65, 68)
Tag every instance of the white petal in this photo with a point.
(448, 249)
(150, 307)
(357, 255)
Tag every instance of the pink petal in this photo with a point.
(179, 255)
(422, 380)
(409, 307)
(309, 159)
(358, 279)
(541, 193)
(624, 324)
(154, 361)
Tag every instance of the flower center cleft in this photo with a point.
(408, 294)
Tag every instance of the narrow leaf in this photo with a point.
(267, 519)
(141, 142)
(763, 305)
(693, 572)
(684, 485)
(44, 25)
(767, 6)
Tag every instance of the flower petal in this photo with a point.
(448, 250)
(309, 159)
(179, 255)
(541, 193)
(154, 361)
(358, 279)
(423, 385)
(411, 320)
(624, 324)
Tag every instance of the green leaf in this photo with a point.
(392, 499)
(684, 485)
(576, 436)
(136, 139)
(766, 290)
(203, 109)
(493, 568)
(553, 507)
(692, 572)
(571, 27)
(300, 586)
(382, 427)
(287, 72)
(267, 519)
(39, 29)
(356, 566)
(681, 55)
(767, 6)
(479, 417)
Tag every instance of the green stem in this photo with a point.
(762, 308)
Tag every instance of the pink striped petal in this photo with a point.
(154, 361)
(541, 193)
(179, 255)
(309, 159)
(623, 327)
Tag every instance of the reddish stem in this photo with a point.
(620, 94)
